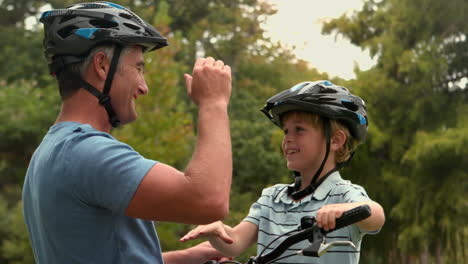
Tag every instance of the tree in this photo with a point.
(440, 153)
(27, 111)
(413, 97)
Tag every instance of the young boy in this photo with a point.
(323, 123)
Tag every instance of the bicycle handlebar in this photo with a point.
(350, 217)
(316, 235)
(309, 230)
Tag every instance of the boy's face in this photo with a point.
(303, 145)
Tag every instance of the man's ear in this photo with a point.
(100, 65)
(338, 139)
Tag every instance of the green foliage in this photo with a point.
(27, 112)
(415, 110)
(22, 56)
(257, 159)
(442, 153)
(14, 246)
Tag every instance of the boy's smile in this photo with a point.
(291, 151)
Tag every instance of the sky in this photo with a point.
(299, 23)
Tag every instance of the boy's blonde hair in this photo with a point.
(344, 153)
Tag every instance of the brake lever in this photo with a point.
(319, 248)
(324, 247)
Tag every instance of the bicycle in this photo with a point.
(308, 229)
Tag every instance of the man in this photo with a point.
(89, 198)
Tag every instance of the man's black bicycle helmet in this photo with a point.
(325, 99)
(329, 101)
(71, 33)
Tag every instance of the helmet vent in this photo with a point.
(147, 33)
(131, 16)
(132, 26)
(327, 90)
(323, 98)
(101, 23)
(66, 31)
(350, 105)
(125, 15)
(90, 6)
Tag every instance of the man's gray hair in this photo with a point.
(68, 81)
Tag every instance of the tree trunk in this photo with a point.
(438, 253)
(424, 257)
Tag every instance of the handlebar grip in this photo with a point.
(351, 216)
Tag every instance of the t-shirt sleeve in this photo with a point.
(107, 172)
(255, 212)
(355, 193)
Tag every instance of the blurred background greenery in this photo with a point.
(413, 162)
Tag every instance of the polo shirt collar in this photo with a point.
(319, 194)
(326, 186)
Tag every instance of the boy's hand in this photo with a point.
(327, 214)
(215, 229)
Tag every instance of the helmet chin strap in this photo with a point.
(104, 98)
(295, 191)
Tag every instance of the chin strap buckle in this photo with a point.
(104, 99)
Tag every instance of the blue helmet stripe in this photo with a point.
(86, 32)
(115, 5)
(298, 86)
(45, 14)
(362, 119)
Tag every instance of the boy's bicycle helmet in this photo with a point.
(325, 99)
(71, 33)
(329, 101)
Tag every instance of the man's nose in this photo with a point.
(143, 89)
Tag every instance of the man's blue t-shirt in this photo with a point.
(77, 188)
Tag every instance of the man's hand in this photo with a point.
(204, 252)
(195, 255)
(210, 82)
